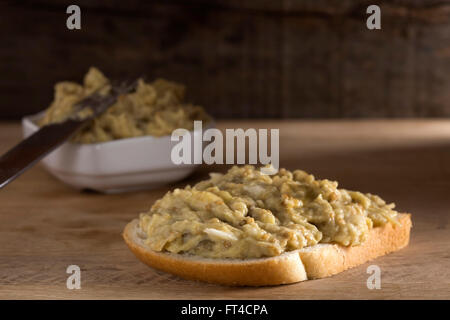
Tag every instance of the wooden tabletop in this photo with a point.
(46, 226)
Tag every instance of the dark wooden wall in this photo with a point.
(297, 58)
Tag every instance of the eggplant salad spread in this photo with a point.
(156, 108)
(245, 214)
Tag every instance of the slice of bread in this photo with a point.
(314, 262)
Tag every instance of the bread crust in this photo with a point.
(314, 262)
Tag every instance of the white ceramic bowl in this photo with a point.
(113, 166)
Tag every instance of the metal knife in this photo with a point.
(28, 152)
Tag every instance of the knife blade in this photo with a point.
(28, 152)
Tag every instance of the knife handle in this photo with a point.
(24, 155)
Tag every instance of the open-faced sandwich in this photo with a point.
(247, 228)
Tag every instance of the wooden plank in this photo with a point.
(255, 59)
(46, 226)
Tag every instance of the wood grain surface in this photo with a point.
(45, 226)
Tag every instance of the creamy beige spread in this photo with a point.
(156, 108)
(245, 214)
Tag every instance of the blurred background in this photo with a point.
(239, 59)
